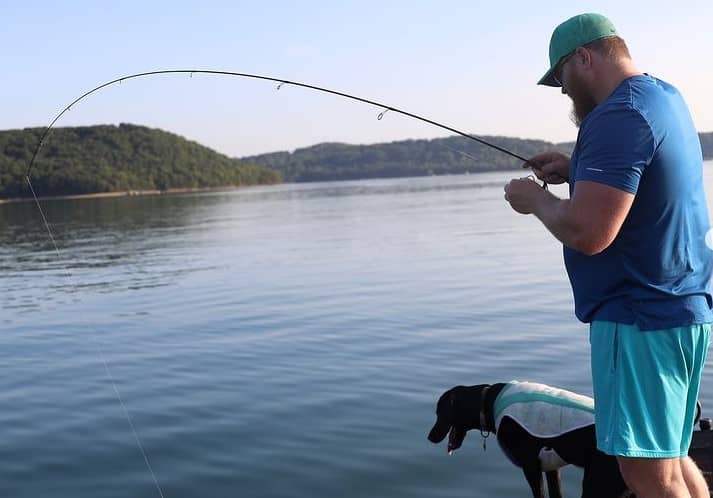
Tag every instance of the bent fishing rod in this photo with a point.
(280, 82)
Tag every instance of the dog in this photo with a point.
(538, 427)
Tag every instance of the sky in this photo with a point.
(472, 65)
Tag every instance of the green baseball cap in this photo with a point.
(575, 32)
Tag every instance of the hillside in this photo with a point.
(452, 155)
(97, 159)
(101, 159)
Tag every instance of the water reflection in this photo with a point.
(104, 245)
(121, 244)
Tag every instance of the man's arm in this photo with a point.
(588, 222)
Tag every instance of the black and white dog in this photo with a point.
(538, 427)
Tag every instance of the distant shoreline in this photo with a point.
(188, 190)
(123, 193)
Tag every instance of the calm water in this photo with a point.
(286, 341)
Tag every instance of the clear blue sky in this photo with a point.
(470, 64)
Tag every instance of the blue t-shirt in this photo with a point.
(656, 274)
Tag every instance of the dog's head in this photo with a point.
(457, 411)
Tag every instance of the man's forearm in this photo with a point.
(557, 216)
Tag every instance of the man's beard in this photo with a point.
(582, 101)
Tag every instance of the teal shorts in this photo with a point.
(646, 387)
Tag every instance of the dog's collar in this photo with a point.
(483, 418)
(484, 427)
(487, 417)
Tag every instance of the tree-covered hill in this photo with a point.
(452, 155)
(97, 159)
(337, 161)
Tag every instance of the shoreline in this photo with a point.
(126, 193)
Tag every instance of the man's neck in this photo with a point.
(612, 79)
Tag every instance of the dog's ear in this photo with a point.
(452, 395)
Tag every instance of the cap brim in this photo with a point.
(548, 79)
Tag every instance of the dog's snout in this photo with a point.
(438, 432)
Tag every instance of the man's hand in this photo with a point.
(523, 194)
(550, 167)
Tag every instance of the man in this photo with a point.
(634, 230)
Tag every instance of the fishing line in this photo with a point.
(97, 344)
(280, 83)
(461, 152)
(475, 159)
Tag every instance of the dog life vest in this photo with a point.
(544, 412)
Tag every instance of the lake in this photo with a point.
(282, 341)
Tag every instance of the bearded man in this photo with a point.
(634, 233)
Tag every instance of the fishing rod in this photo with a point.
(280, 82)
